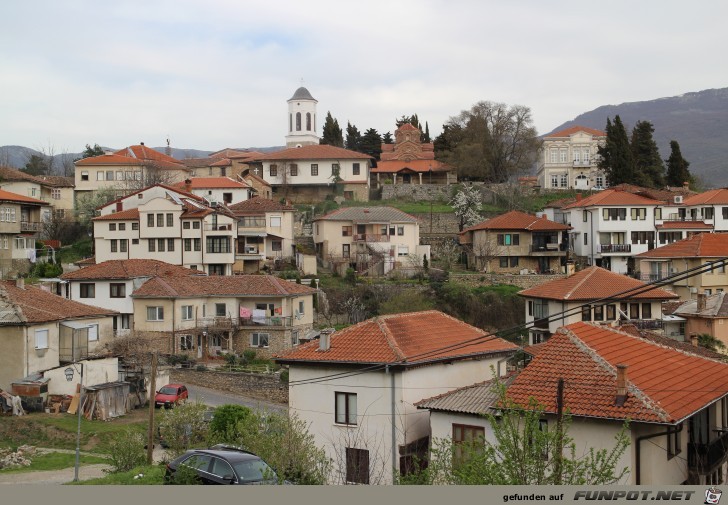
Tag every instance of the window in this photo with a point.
(122, 226)
(600, 181)
(150, 220)
(160, 244)
(123, 245)
(465, 440)
(185, 342)
(170, 220)
(611, 312)
(707, 212)
(41, 339)
(586, 313)
(301, 307)
(220, 310)
(84, 176)
(119, 176)
(155, 313)
(585, 216)
(355, 170)
(100, 176)
(599, 312)
(564, 181)
(274, 170)
(152, 243)
(197, 244)
(298, 121)
(93, 333)
(345, 408)
(346, 231)
(275, 222)
(195, 225)
(276, 245)
(294, 169)
(218, 244)
(109, 175)
(314, 169)
(634, 310)
(259, 339)
(346, 250)
(639, 214)
(335, 170)
(513, 261)
(554, 181)
(357, 465)
(186, 312)
(160, 220)
(586, 239)
(188, 244)
(186, 225)
(113, 245)
(112, 226)
(615, 214)
(562, 155)
(509, 239)
(503, 261)
(170, 244)
(400, 230)
(403, 250)
(294, 337)
(643, 237)
(117, 290)
(725, 212)
(646, 311)
(674, 442)
(88, 290)
(658, 213)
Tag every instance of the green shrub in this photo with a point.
(249, 355)
(127, 451)
(201, 368)
(284, 376)
(183, 427)
(230, 359)
(185, 476)
(226, 418)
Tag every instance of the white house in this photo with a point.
(568, 159)
(357, 387)
(675, 401)
(217, 189)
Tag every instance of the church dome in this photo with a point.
(302, 94)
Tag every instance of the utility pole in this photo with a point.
(559, 452)
(152, 392)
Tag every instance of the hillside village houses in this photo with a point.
(705, 315)
(568, 159)
(21, 219)
(372, 240)
(217, 189)
(56, 191)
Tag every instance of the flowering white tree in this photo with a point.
(466, 205)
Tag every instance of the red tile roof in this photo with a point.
(714, 196)
(176, 190)
(237, 285)
(257, 178)
(124, 215)
(34, 305)
(12, 174)
(109, 159)
(595, 283)
(613, 197)
(259, 205)
(684, 225)
(665, 385)
(134, 155)
(212, 183)
(568, 132)
(411, 338)
(700, 245)
(314, 152)
(130, 269)
(7, 196)
(419, 166)
(517, 220)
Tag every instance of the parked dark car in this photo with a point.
(171, 395)
(223, 466)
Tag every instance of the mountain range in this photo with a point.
(698, 121)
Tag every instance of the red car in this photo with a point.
(171, 395)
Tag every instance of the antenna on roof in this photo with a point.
(168, 150)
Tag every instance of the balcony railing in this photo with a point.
(705, 458)
(266, 321)
(615, 248)
(582, 163)
(219, 227)
(652, 277)
(554, 247)
(542, 323)
(647, 324)
(365, 237)
(677, 217)
(30, 226)
(251, 222)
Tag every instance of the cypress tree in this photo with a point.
(353, 137)
(616, 156)
(649, 169)
(677, 167)
(332, 134)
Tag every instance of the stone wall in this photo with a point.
(522, 281)
(266, 387)
(442, 223)
(417, 192)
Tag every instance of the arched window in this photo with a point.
(308, 121)
(290, 122)
(298, 121)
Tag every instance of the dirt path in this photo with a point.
(54, 476)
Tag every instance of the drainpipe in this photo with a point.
(394, 431)
(646, 437)
(591, 232)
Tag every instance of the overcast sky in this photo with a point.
(217, 73)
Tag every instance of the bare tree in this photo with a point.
(447, 252)
(485, 251)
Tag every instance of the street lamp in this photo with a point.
(69, 377)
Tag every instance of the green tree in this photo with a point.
(710, 342)
(413, 120)
(90, 152)
(490, 142)
(615, 157)
(649, 169)
(466, 205)
(677, 167)
(86, 205)
(387, 138)
(332, 134)
(184, 427)
(353, 137)
(522, 453)
(226, 417)
(36, 165)
(371, 143)
(426, 134)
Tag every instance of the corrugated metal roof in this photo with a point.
(475, 399)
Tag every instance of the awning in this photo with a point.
(275, 236)
(252, 234)
(75, 325)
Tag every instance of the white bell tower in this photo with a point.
(302, 120)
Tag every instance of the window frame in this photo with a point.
(158, 313)
(117, 290)
(348, 401)
(43, 342)
(87, 290)
(257, 337)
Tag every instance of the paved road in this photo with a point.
(215, 398)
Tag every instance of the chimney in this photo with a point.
(686, 185)
(694, 339)
(188, 185)
(578, 197)
(141, 143)
(621, 385)
(701, 301)
(20, 283)
(325, 339)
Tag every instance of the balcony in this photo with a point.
(284, 321)
(365, 237)
(582, 163)
(703, 459)
(678, 217)
(542, 324)
(251, 222)
(614, 248)
(219, 227)
(30, 226)
(552, 249)
(653, 277)
(646, 324)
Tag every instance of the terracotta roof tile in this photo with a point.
(12, 174)
(34, 305)
(631, 329)
(700, 245)
(594, 283)
(259, 205)
(412, 338)
(612, 197)
(368, 215)
(713, 196)
(211, 183)
(314, 152)
(130, 269)
(517, 220)
(665, 385)
(137, 155)
(419, 166)
(7, 196)
(124, 215)
(237, 285)
(684, 225)
(567, 132)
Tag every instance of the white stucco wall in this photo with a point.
(97, 371)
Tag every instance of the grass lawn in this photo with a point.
(54, 461)
(152, 475)
(503, 290)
